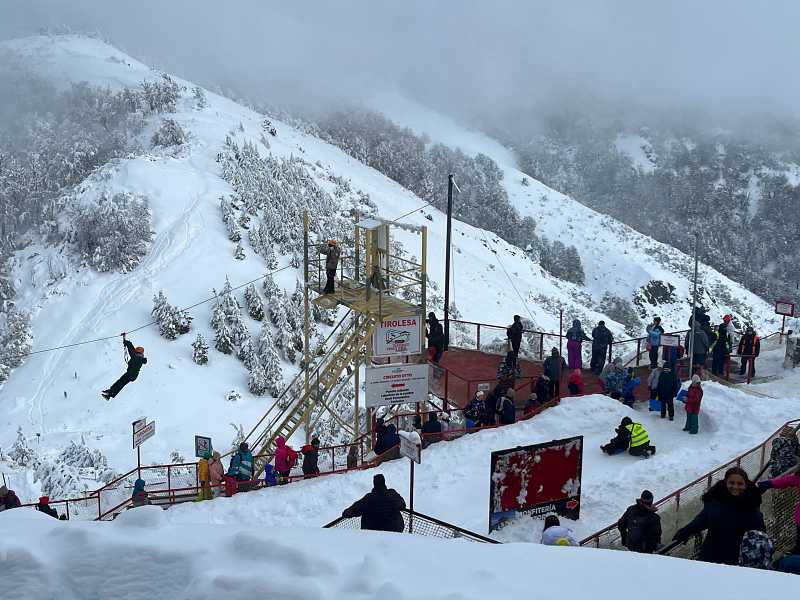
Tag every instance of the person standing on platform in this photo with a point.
(654, 333)
(332, 254)
(514, 333)
(575, 338)
(602, 338)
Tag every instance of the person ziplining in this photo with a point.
(136, 359)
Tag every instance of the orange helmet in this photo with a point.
(331, 242)
(139, 349)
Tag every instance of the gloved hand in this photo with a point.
(765, 485)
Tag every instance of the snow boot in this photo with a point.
(106, 394)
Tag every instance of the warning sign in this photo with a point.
(396, 384)
(398, 337)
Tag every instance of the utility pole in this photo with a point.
(447, 262)
(694, 303)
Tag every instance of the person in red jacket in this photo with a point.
(749, 348)
(285, 459)
(694, 396)
(575, 382)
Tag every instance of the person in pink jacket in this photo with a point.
(285, 459)
(216, 473)
(786, 481)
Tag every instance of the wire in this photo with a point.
(150, 324)
(499, 262)
(412, 212)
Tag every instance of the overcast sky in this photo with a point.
(485, 56)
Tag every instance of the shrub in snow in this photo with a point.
(562, 261)
(171, 320)
(169, 134)
(15, 341)
(238, 436)
(161, 96)
(238, 254)
(621, 311)
(113, 233)
(270, 362)
(199, 95)
(21, 452)
(233, 396)
(247, 354)
(226, 320)
(200, 350)
(255, 308)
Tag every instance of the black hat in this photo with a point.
(378, 481)
(603, 323)
(646, 497)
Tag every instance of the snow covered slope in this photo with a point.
(142, 557)
(616, 259)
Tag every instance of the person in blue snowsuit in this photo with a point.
(270, 477)
(628, 392)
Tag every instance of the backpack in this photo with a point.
(635, 536)
(756, 550)
(291, 457)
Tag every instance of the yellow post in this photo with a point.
(306, 324)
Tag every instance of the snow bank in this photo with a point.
(42, 558)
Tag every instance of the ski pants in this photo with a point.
(668, 405)
(598, 359)
(718, 363)
(121, 383)
(743, 368)
(329, 284)
(653, 352)
(642, 450)
(692, 423)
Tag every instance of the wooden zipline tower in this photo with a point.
(374, 286)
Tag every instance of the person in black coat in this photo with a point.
(380, 509)
(435, 335)
(640, 526)
(505, 407)
(668, 387)
(542, 389)
(311, 458)
(602, 338)
(730, 509)
(135, 361)
(514, 333)
(380, 434)
(432, 430)
(43, 506)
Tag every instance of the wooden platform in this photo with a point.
(355, 297)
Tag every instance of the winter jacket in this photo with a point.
(750, 345)
(433, 428)
(379, 510)
(668, 385)
(726, 518)
(45, 508)
(640, 528)
(8, 499)
(310, 458)
(576, 333)
(601, 337)
(139, 495)
(652, 379)
(135, 360)
(785, 481)
(514, 333)
(270, 476)
(241, 467)
(332, 254)
(558, 535)
(390, 438)
(628, 392)
(203, 470)
(506, 411)
(215, 470)
(694, 395)
(654, 333)
(285, 456)
(435, 333)
(638, 435)
(700, 342)
(613, 378)
(785, 454)
(475, 409)
(553, 366)
(575, 379)
(542, 390)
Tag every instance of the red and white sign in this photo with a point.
(396, 384)
(143, 433)
(784, 308)
(411, 445)
(398, 337)
(671, 340)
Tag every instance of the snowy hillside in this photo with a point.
(617, 260)
(54, 397)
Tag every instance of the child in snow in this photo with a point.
(575, 382)
(555, 534)
(270, 477)
(204, 477)
(139, 495)
(694, 396)
(285, 459)
(629, 391)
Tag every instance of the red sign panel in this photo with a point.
(536, 480)
(784, 308)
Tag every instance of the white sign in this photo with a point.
(411, 446)
(670, 340)
(784, 308)
(139, 423)
(144, 434)
(396, 384)
(484, 387)
(398, 337)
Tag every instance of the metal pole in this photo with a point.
(411, 497)
(560, 330)
(783, 325)
(447, 262)
(694, 305)
(306, 325)
(139, 461)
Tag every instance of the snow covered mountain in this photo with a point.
(54, 397)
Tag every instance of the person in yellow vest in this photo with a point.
(631, 437)
(204, 478)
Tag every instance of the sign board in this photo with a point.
(201, 445)
(484, 387)
(670, 340)
(144, 434)
(139, 423)
(396, 384)
(784, 308)
(411, 446)
(536, 480)
(398, 337)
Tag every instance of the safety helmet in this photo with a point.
(727, 318)
(331, 242)
(139, 349)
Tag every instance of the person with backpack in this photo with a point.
(241, 467)
(654, 333)
(553, 367)
(473, 413)
(43, 506)
(602, 339)
(575, 338)
(380, 509)
(435, 336)
(694, 396)
(668, 386)
(731, 507)
(285, 459)
(749, 348)
(640, 525)
(555, 534)
(136, 360)
(139, 496)
(506, 411)
(311, 458)
(791, 480)
(514, 334)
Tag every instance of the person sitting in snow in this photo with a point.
(629, 391)
(44, 507)
(632, 437)
(380, 510)
(555, 534)
(135, 361)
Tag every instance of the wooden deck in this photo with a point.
(356, 298)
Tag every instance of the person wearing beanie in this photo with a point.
(473, 413)
(332, 253)
(139, 495)
(694, 395)
(380, 509)
(602, 338)
(8, 499)
(555, 534)
(43, 506)
(204, 477)
(514, 334)
(654, 333)
(668, 386)
(136, 360)
(575, 338)
(640, 525)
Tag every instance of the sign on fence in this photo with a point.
(398, 337)
(784, 308)
(411, 445)
(201, 445)
(670, 340)
(396, 384)
(536, 480)
(144, 433)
